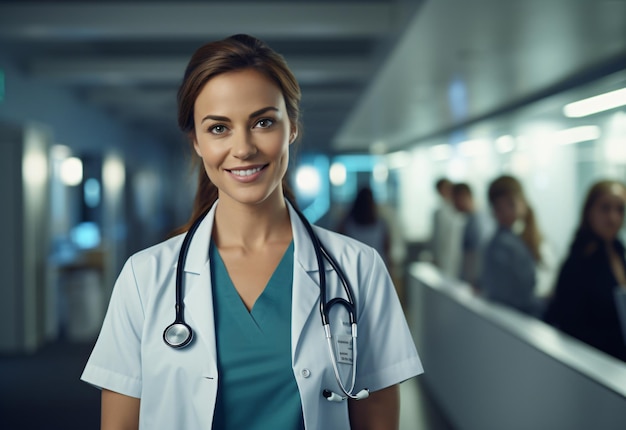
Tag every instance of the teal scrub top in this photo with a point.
(256, 387)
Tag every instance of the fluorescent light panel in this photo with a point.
(576, 135)
(600, 103)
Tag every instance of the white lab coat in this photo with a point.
(178, 387)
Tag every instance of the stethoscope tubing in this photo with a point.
(179, 334)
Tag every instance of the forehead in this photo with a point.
(245, 89)
(614, 194)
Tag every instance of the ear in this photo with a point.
(194, 142)
(293, 134)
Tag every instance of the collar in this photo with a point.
(198, 255)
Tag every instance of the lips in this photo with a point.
(246, 172)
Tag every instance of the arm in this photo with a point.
(119, 412)
(380, 411)
(568, 303)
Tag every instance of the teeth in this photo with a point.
(245, 172)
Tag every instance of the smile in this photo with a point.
(246, 172)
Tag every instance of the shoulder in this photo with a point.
(154, 263)
(507, 239)
(340, 244)
(577, 263)
(163, 251)
(506, 245)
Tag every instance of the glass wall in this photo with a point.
(556, 149)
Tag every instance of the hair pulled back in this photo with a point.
(508, 186)
(234, 53)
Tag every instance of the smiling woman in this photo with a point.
(246, 274)
(243, 136)
(583, 304)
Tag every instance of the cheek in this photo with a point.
(597, 220)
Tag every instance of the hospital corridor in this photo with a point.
(253, 212)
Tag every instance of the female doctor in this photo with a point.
(248, 349)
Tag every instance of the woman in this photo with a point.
(583, 303)
(365, 225)
(259, 355)
(514, 252)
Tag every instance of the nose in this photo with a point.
(243, 146)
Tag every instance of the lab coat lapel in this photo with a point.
(306, 289)
(198, 295)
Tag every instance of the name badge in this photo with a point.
(343, 346)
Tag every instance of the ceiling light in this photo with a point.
(595, 104)
(441, 152)
(399, 159)
(71, 171)
(308, 181)
(576, 135)
(505, 144)
(476, 147)
(337, 174)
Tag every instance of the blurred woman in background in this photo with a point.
(514, 254)
(583, 304)
(364, 224)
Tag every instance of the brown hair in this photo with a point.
(234, 53)
(585, 239)
(509, 186)
(461, 189)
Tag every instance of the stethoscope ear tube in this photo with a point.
(325, 306)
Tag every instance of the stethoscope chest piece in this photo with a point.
(178, 335)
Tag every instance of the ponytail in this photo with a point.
(531, 235)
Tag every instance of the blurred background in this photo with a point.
(396, 95)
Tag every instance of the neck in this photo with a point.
(251, 226)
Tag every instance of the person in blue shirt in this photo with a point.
(477, 230)
(513, 253)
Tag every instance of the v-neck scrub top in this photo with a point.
(254, 352)
(178, 388)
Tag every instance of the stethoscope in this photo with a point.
(179, 334)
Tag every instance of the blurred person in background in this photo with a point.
(364, 224)
(514, 255)
(447, 231)
(583, 304)
(259, 357)
(478, 229)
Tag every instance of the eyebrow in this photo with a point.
(252, 115)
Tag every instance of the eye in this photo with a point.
(264, 123)
(217, 129)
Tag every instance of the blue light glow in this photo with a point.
(86, 235)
